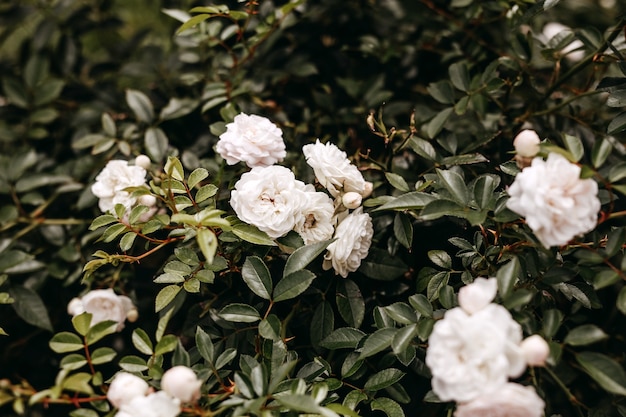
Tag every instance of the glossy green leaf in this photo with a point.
(73, 361)
(411, 201)
(403, 229)
(30, 307)
(600, 151)
(507, 276)
(165, 297)
(208, 243)
(82, 323)
(304, 255)
(100, 330)
(551, 322)
(252, 234)
(618, 124)
(387, 406)
(344, 337)
(383, 379)
(141, 106)
(142, 341)
(421, 304)
(133, 364)
(350, 302)
(440, 258)
(166, 344)
(380, 265)
(204, 344)
(270, 328)
(585, 334)
(293, 285)
(574, 145)
(79, 382)
(257, 277)
(322, 322)
(65, 342)
(604, 370)
(403, 338)
(377, 342)
(239, 313)
(436, 124)
(103, 355)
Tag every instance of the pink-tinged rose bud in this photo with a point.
(535, 350)
(527, 143)
(477, 295)
(181, 382)
(143, 161)
(351, 200)
(125, 387)
(367, 189)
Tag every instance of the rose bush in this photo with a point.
(394, 154)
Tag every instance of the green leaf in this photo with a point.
(30, 307)
(421, 304)
(574, 145)
(225, 358)
(483, 190)
(423, 148)
(133, 364)
(270, 328)
(621, 300)
(466, 159)
(73, 361)
(252, 234)
(436, 124)
(103, 355)
(300, 402)
(192, 22)
(166, 344)
(455, 184)
(65, 342)
(293, 285)
(126, 242)
(102, 220)
(205, 192)
(387, 406)
(48, 91)
(15, 92)
(240, 313)
(397, 182)
(165, 297)
(600, 151)
(257, 277)
(585, 334)
(79, 382)
(604, 370)
(507, 276)
(377, 342)
(322, 322)
(303, 256)
(350, 302)
(198, 175)
(403, 229)
(381, 266)
(344, 337)
(208, 243)
(156, 143)
(401, 313)
(459, 75)
(440, 258)
(441, 91)
(141, 106)
(82, 323)
(403, 338)
(383, 379)
(83, 412)
(100, 330)
(142, 341)
(618, 124)
(113, 231)
(204, 345)
(178, 107)
(551, 322)
(411, 201)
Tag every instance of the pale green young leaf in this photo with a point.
(142, 341)
(240, 313)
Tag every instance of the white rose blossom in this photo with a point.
(573, 52)
(103, 305)
(156, 404)
(125, 387)
(252, 139)
(333, 169)
(354, 237)
(557, 204)
(477, 295)
(269, 198)
(469, 355)
(510, 400)
(181, 382)
(111, 182)
(316, 222)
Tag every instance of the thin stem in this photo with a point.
(571, 397)
(565, 103)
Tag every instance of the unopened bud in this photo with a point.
(147, 200)
(351, 200)
(535, 350)
(527, 143)
(132, 315)
(181, 382)
(371, 121)
(367, 189)
(143, 161)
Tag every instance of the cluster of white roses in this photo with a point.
(272, 199)
(475, 349)
(557, 204)
(104, 305)
(133, 397)
(113, 181)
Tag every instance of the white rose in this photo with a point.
(270, 198)
(574, 51)
(181, 382)
(157, 404)
(251, 139)
(477, 295)
(511, 400)
(556, 203)
(354, 237)
(526, 143)
(126, 387)
(103, 305)
(333, 169)
(316, 222)
(111, 182)
(469, 355)
(535, 350)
